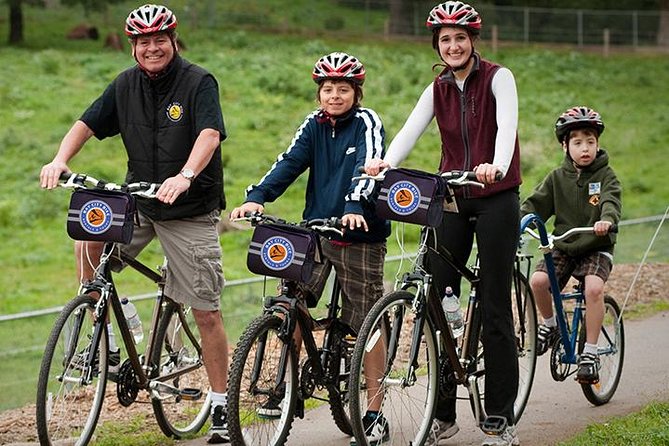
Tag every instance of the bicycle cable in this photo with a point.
(643, 261)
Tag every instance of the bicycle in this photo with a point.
(569, 311)
(264, 368)
(422, 355)
(72, 384)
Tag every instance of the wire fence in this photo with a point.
(581, 27)
(23, 336)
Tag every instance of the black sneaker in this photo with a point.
(377, 430)
(218, 432)
(272, 407)
(588, 369)
(545, 338)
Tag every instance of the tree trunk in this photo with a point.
(401, 17)
(15, 22)
(663, 31)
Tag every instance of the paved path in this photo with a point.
(555, 410)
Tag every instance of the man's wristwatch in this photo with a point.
(188, 174)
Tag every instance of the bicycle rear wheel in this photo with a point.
(183, 407)
(525, 332)
(68, 405)
(253, 388)
(409, 398)
(611, 348)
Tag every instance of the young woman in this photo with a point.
(476, 107)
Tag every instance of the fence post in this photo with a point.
(607, 41)
(526, 25)
(579, 25)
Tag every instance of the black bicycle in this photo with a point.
(423, 357)
(268, 384)
(73, 376)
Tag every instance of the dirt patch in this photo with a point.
(18, 425)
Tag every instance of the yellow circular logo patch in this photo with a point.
(175, 112)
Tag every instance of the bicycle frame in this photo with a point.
(104, 285)
(568, 340)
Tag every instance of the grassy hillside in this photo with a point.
(266, 90)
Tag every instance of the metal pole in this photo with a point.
(526, 25)
(635, 29)
(579, 24)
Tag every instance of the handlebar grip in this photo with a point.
(64, 176)
(613, 229)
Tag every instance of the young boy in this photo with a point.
(583, 191)
(333, 142)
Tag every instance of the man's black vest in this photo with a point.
(157, 123)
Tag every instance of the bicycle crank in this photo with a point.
(126, 384)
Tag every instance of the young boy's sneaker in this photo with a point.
(545, 338)
(218, 432)
(508, 437)
(376, 430)
(441, 431)
(588, 369)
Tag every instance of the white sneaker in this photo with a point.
(508, 437)
(441, 431)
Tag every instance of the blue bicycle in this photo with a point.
(570, 313)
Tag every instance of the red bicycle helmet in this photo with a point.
(339, 66)
(454, 14)
(149, 19)
(577, 118)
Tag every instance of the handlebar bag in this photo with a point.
(101, 215)
(411, 196)
(283, 251)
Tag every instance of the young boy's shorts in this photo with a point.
(359, 267)
(592, 264)
(192, 248)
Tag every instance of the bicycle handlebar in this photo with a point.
(548, 239)
(452, 177)
(322, 225)
(73, 180)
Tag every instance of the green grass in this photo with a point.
(649, 427)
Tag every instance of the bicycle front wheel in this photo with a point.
(262, 387)
(525, 333)
(70, 392)
(181, 401)
(611, 349)
(406, 386)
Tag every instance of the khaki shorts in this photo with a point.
(359, 268)
(593, 264)
(193, 251)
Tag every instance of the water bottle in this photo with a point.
(132, 318)
(451, 305)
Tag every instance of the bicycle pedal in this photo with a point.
(494, 425)
(190, 394)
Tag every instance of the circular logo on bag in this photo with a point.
(403, 197)
(95, 217)
(277, 253)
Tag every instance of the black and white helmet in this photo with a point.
(577, 118)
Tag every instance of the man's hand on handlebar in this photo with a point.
(50, 174)
(248, 207)
(375, 165)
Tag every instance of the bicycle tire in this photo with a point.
(611, 347)
(408, 406)
(338, 393)
(67, 408)
(525, 333)
(173, 352)
(261, 345)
